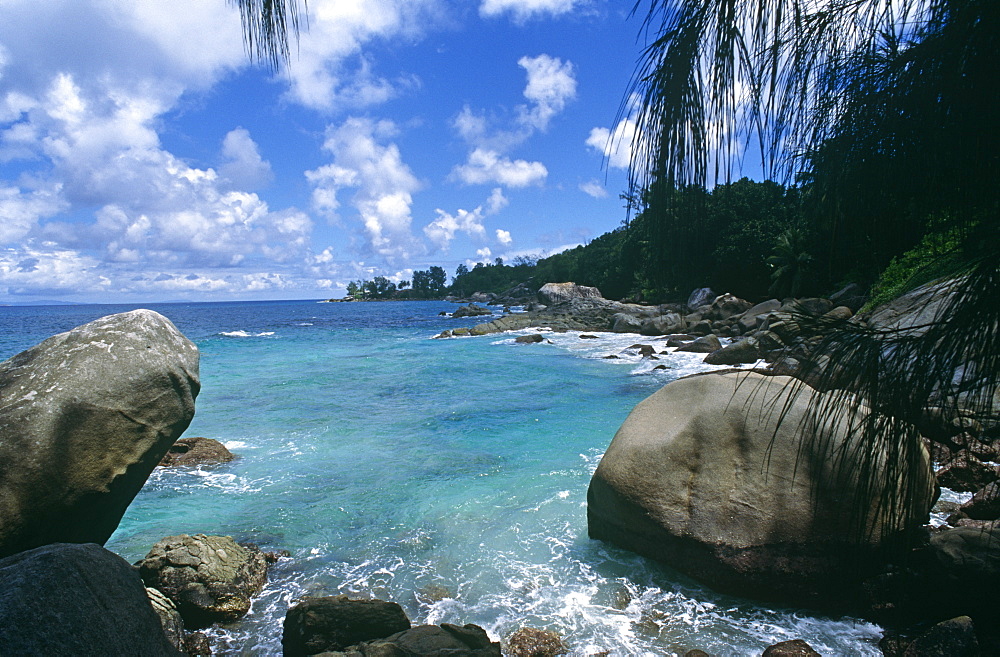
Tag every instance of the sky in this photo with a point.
(144, 157)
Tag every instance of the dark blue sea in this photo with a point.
(447, 475)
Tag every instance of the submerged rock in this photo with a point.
(208, 578)
(71, 599)
(85, 416)
(793, 648)
(698, 477)
(529, 339)
(196, 451)
(471, 310)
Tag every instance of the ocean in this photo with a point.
(449, 476)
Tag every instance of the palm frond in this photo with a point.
(266, 27)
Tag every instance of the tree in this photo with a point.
(880, 106)
(266, 27)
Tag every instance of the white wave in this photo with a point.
(245, 334)
(234, 444)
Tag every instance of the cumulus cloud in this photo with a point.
(242, 165)
(503, 236)
(384, 184)
(522, 10)
(330, 71)
(594, 188)
(21, 211)
(46, 270)
(486, 166)
(615, 145)
(442, 230)
(550, 85)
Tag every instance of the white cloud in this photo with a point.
(594, 188)
(615, 146)
(329, 71)
(384, 184)
(30, 270)
(21, 211)
(503, 236)
(525, 9)
(242, 165)
(550, 85)
(484, 254)
(486, 166)
(442, 230)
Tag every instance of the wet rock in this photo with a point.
(703, 345)
(950, 638)
(626, 323)
(443, 334)
(793, 648)
(85, 416)
(965, 473)
(533, 642)
(643, 350)
(72, 599)
(587, 336)
(209, 578)
(736, 353)
(317, 625)
(529, 339)
(471, 310)
(460, 332)
(699, 327)
(197, 644)
(196, 451)
(984, 505)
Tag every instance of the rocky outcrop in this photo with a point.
(471, 310)
(196, 450)
(699, 477)
(85, 416)
(73, 599)
(170, 618)
(529, 339)
(553, 293)
(573, 315)
(208, 578)
(317, 625)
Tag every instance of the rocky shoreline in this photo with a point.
(728, 525)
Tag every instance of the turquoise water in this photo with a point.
(447, 475)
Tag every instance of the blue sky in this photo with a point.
(144, 158)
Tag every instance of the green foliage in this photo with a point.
(790, 264)
(936, 256)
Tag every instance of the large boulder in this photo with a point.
(553, 293)
(445, 640)
(703, 296)
(725, 306)
(73, 599)
(471, 310)
(85, 416)
(662, 324)
(700, 477)
(209, 578)
(317, 625)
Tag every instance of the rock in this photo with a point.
(626, 323)
(482, 297)
(984, 505)
(950, 638)
(679, 339)
(965, 473)
(553, 293)
(434, 641)
(209, 578)
(587, 336)
(698, 477)
(703, 345)
(662, 324)
(533, 642)
(443, 334)
(914, 311)
(529, 339)
(839, 314)
(197, 644)
(793, 648)
(703, 296)
(726, 306)
(643, 350)
(72, 599)
(696, 653)
(700, 327)
(964, 574)
(170, 618)
(736, 353)
(196, 451)
(851, 295)
(85, 416)
(748, 320)
(810, 306)
(317, 625)
(471, 310)
(460, 332)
